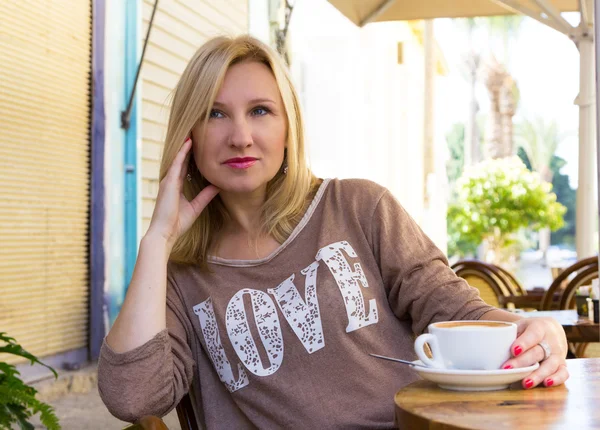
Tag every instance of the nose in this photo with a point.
(241, 135)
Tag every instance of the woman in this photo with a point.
(261, 289)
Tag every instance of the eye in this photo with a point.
(215, 114)
(260, 111)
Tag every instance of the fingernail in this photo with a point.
(189, 138)
(508, 366)
(528, 383)
(518, 350)
(549, 382)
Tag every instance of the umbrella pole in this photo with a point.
(586, 224)
(597, 88)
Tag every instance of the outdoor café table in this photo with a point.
(577, 329)
(574, 405)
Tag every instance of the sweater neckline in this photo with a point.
(303, 222)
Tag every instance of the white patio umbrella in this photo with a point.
(548, 12)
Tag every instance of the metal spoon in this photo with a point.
(410, 363)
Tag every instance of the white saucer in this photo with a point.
(473, 380)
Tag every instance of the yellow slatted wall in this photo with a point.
(44, 172)
(180, 27)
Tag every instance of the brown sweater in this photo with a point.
(283, 342)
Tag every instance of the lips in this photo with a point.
(240, 162)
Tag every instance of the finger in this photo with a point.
(203, 198)
(178, 163)
(533, 334)
(557, 378)
(547, 367)
(526, 359)
(186, 162)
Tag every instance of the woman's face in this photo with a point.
(242, 147)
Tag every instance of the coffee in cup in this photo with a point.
(467, 345)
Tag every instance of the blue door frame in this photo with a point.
(132, 173)
(121, 214)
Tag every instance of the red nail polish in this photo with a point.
(508, 366)
(528, 383)
(518, 350)
(549, 382)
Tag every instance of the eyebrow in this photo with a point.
(253, 101)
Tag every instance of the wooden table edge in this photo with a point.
(410, 420)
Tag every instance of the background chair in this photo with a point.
(567, 301)
(185, 413)
(517, 288)
(508, 291)
(558, 286)
(485, 278)
(148, 423)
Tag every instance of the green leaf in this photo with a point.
(21, 415)
(48, 417)
(17, 399)
(12, 347)
(8, 369)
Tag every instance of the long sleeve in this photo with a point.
(152, 378)
(419, 283)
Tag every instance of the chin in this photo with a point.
(239, 185)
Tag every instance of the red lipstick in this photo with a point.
(240, 162)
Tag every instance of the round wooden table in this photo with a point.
(574, 405)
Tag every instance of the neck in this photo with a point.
(244, 212)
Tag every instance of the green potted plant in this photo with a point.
(495, 200)
(17, 399)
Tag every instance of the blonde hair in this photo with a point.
(193, 98)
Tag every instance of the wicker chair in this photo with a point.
(584, 276)
(517, 288)
(185, 413)
(513, 295)
(557, 285)
(148, 423)
(489, 281)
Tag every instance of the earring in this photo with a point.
(189, 177)
(285, 169)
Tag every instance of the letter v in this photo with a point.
(303, 317)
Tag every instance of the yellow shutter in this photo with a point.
(44, 172)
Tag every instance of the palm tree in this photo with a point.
(503, 93)
(540, 139)
(280, 29)
(502, 88)
(503, 29)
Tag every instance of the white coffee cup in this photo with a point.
(467, 345)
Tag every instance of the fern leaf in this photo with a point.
(8, 369)
(17, 399)
(21, 415)
(14, 348)
(47, 416)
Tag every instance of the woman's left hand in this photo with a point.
(526, 351)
